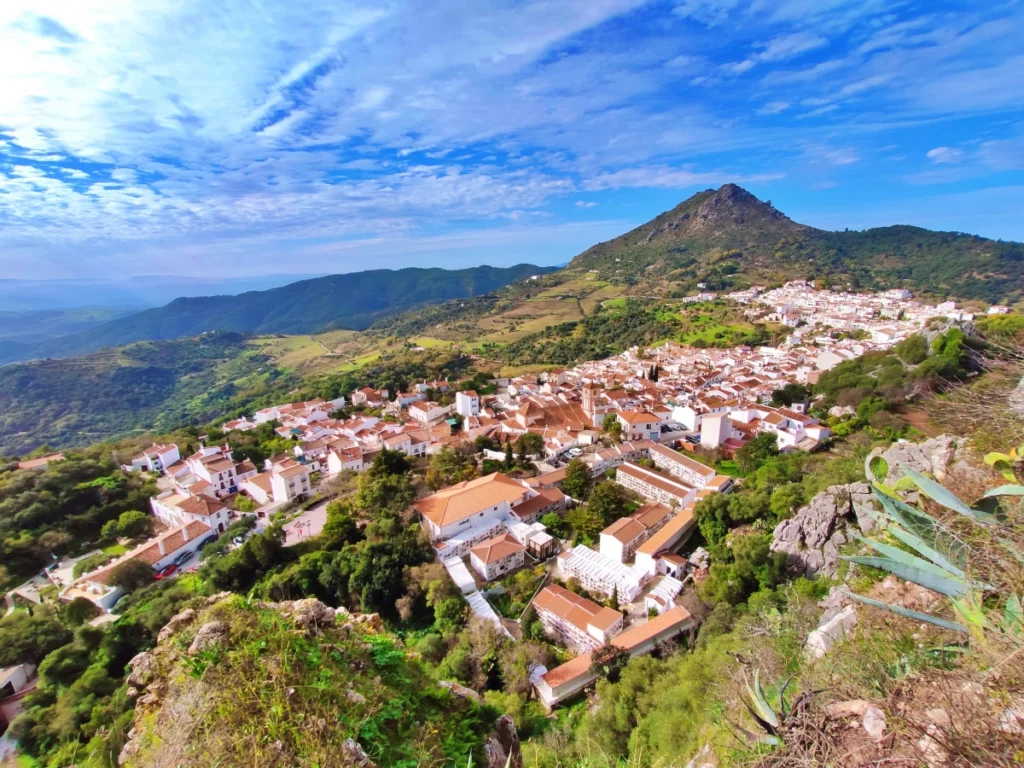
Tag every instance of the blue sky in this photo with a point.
(181, 137)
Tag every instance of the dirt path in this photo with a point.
(918, 419)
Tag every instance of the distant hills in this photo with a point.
(727, 238)
(352, 301)
(126, 293)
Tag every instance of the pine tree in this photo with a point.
(509, 458)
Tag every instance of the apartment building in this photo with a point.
(428, 412)
(174, 510)
(686, 469)
(580, 624)
(654, 486)
(158, 553)
(565, 681)
(652, 552)
(497, 556)
(622, 538)
(290, 483)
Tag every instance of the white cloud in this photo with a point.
(773, 108)
(779, 48)
(585, 204)
(672, 178)
(945, 155)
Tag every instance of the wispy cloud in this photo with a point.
(188, 128)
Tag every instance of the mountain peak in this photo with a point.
(727, 207)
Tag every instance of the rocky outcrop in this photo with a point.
(180, 692)
(310, 615)
(354, 754)
(461, 691)
(210, 635)
(831, 633)
(176, 624)
(812, 537)
(503, 743)
(935, 456)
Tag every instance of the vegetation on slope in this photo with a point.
(273, 692)
(727, 238)
(146, 386)
(51, 510)
(631, 322)
(338, 301)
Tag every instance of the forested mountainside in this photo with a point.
(727, 238)
(149, 385)
(337, 301)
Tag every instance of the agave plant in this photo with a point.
(773, 723)
(939, 560)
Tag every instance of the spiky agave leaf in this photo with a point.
(1003, 463)
(911, 540)
(765, 713)
(928, 578)
(946, 498)
(895, 553)
(907, 613)
(1005, 490)
(972, 613)
(932, 532)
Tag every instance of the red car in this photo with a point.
(167, 572)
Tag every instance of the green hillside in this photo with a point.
(150, 385)
(337, 301)
(727, 238)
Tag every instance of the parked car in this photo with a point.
(206, 541)
(184, 557)
(166, 572)
(238, 541)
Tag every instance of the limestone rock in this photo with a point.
(873, 721)
(370, 621)
(309, 614)
(828, 635)
(935, 456)
(462, 691)
(811, 539)
(931, 749)
(842, 410)
(938, 716)
(211, 634)
(700, 558)
(355, 697)
(1012, 719)
(354, 754)
(502, 743)
(141, 670)
(1016, 399)
(176, 623)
